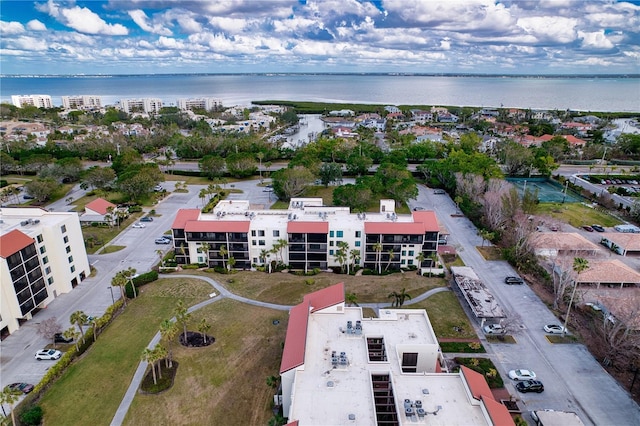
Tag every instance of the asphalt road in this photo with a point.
(573, 379)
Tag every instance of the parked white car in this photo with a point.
(493, 329)
(48, 354)
(138, 225)
(554, 329)
(522, 375)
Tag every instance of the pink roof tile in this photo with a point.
(477, 383)
(12, 242)
(183, 216)
(326, 297)
(498, 413)
(99, 205)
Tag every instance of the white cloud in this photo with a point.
(11, 28)
(35, 25)
(230, 25)
(29, 43)
(595, 40)
(550, 28)
(141, 19)
(81, 19)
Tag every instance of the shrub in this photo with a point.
(141, 280)
(310, 281)
(3, 183)
(190, 266)
(135, 209)
(32, 415)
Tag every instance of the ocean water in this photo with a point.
(581, 94)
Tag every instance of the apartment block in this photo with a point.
(42, 255)
(305, 236)
(83, 102)
(340, 368)
(146, 105)
(207, 104)
(40, 101)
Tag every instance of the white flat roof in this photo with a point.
(12, 218)
(324, 395)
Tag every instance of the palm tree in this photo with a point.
(420, 258)
(351, 299)
(263, 255)
(182, 316)
(355, 257)
(579, 265)
(128, 274)
(231, 262)
(224, 252)
(282, 243)
(400, 297)
(160, 254)
(392, 255)
(272, 381)
(120, 281)
(79, 318)
(168, 331)
(342, 255)
(433, 256)
(8, 396)
(378, 248)
(159, 352)
(71, 333)
(203, 327)
(202, 195)
(204, 248)
(149, 356)
(396, 298)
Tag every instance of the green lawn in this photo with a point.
(96, 236)
(112, 249)
(446, 316)
(91, 389)
(576, 214)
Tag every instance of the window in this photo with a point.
(331, 243)
(357, 243)
(339, 234)
(43, 249)
(73, 268)
(358, 234)
(253, 233)
(276, 233)
(331, 234)
(254, 242)
(45, 260)
(39, 238)
(65, 239)
(63, 228)
(70, 258)
(403, 261)
(261, 243)
(68, 249)
(47, 270)
(409, 362)
(404, 252)
(411, 253)
(331, 251)
(410, 262)
(50, 280)
(261, 233)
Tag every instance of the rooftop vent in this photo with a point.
(330, 384)
(425, 391)
(352, 416)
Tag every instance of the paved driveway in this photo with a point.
(573, 379)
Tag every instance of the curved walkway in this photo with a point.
(138, 376)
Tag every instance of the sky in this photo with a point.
(321, 36)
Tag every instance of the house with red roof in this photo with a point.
(96, 210)
(340, 368)
(316, 236)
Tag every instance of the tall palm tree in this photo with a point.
(120, 281)
(343, 250)
(224, 252)
(355, 257)
(159, 352)
(420, 258)
(128, 274)
(72, 334)
(282, 243)
(168, 331)
(202, 195)
(182, 316)
(149, 356)
(203, 327)
(392, 256)
(231, 262)
(8, 396)
(402, 296)
(579, 265)
(79, 318)
(378, 249)
(160, 254)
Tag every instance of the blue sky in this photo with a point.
(265, 36)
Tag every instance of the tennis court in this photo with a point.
(548, 191)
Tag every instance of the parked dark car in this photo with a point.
(28, 197)
(20, 387)
(59, 338)
(587, 228)
(530, 386)
(513, 280)
(146, 219)
(598, 228)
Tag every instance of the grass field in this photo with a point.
(576, 214)
(446, 316)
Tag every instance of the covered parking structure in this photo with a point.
(622, 243)
(609, 273)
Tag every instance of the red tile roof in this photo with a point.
(394, 228)
(183, 216)
(499, 414)
(296, 340)
(429, 219)
(12, 242)
(326, 297)
(308, 227)
(217, 226)
(99, 205)
(477, 383)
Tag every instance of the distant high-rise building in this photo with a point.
(82, 102)
(146, 105)
(199, 103)
(40, 101)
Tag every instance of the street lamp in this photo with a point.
(113, 301)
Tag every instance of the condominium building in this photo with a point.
(40, 101)
(340, 368)
(305, 236)
(42, 255)
(207, 104)
(146, 105)
(84, 102)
